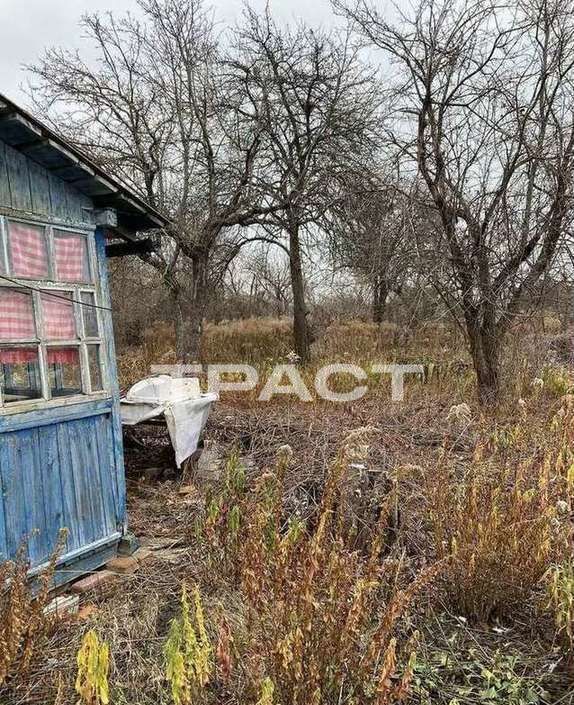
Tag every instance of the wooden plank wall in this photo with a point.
(28, 188)
(60, 466)
(111, 361)
(58, 474)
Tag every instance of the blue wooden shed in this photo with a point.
(61, 460)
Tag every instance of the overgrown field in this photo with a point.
(363, 553)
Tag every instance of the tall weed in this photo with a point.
(501, 520)
(24, 623)
(561, 602)
(322, 618)
(188, 652)
(93, 661)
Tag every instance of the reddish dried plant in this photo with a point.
(501, 523)
(23, 620)
(322, 617)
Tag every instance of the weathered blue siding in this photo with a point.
(111, 362)
(59, 472)
(26, 188)
(61, 466)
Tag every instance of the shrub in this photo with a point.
(557, 382)
(322, 617)
(500, 526)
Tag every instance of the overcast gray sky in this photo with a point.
(29, 26)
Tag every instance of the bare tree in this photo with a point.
(371, 234)
(482, 113)
(158, 109)
(314, 102)
(270, 277)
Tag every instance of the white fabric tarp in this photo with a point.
(185, 422)
(185, 417)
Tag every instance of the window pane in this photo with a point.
(90, 315)
(95, 368)
(16, 315)
(20, 374)
(64, 371)
(58, 316)
(71, 257)
(28, 251)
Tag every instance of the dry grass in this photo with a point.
(24, 624)
(251, 341)
(316, 569)
(321, 616)
(358, 341)
(266, 341)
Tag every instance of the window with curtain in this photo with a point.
(50, 332)
(28, 251)
(71, 257)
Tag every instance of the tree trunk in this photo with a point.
(189, 325)
(485, 351)
(175, 297)
(300, 326)
(188, 336)
(380, 296)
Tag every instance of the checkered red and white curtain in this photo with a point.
(16, 316)
(28, 251)
(17, 324)
(66, 356)
(71, 258)
(18, 356)
(29, 260)
(58, 316)
(29, 254)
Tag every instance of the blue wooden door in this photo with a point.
(58, 470)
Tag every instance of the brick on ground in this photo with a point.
(99, 579)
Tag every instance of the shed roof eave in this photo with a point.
(28, 135)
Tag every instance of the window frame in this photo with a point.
(37, 287)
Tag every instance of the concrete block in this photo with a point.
(128, 544)
(63, 605)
